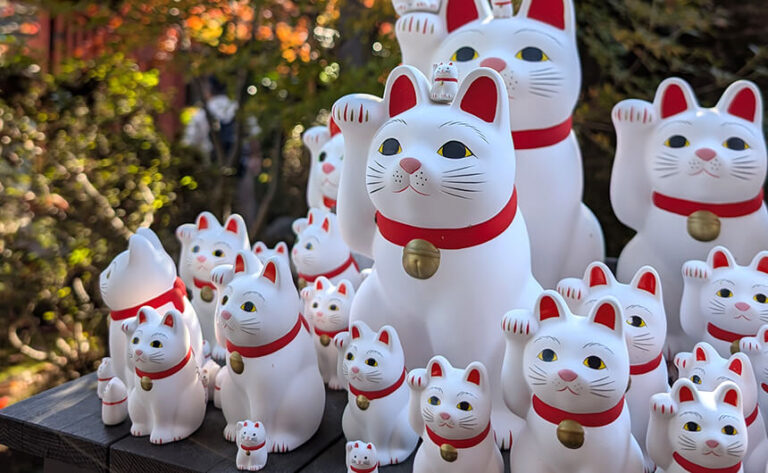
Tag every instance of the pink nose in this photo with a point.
(226, 315)
(201, 258)
(567, 375)
(712, 443)
(445, 416)
(355, 369)
(139, 352)
(494, 63)
(328, 168)
(410, 165)
(319, 314)
(706, 154)
(742, 306)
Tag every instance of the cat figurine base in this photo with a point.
(114, 408)
(756, 348)
(329, 314)
(361, 457)
(251, 446)
(326, 148)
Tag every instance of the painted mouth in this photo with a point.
(569, 389)
(443, 424)
(702, 170)
(741, 315)
(711, 452)
(413, 189)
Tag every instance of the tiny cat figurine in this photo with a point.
(536, 54)
(251, 446)
(688, 178)
(694, 431)
(645, 329)
(445, 82)
(707, 369)
(114, 408)
(272, 372)
(361, 457)
(329, 313)
(208, 374)
(577, 370)
(321, 251)
(451, 409)
(373, 366)
(756, 348)
(326, 147)
(263, 252)
(724, 302)
(167, 401)
(205, 245)
(143, 275)
(104, 374)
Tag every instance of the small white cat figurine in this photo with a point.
(373, 366)
(577, 369)
(688, 178)
(208, 374)
(321, 251)
(271, 372)
(326, 147)
(329, 314)
(205, 245)
(723, 301)
(251, 446)
(756, 348)
(361, 457)
(263, 252)
(694, 431)
(706, 369)
(114, 408)
(104, 374)
(143, 275)
(502, 9)
(451, 409)
(167, 401)
(646, 330)
(445, 82)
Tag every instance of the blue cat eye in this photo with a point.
(696, 379)
(735, 143)
(434, 400)
(532, 54)
(464, 54)
(547, 355)
(248, 306)
(677, 141)
(195, 249)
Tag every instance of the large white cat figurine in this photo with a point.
(326, 148)
(451, 409)
(536, 54)
(329, 314)
(205, 245)
(756, 348)
(707, 369)
(271, 372)
(451, 251)
(167, 401)
(687, 178)
(361, 457)
(645, 329)
(722, 301)
(373, 366)
(694, 431)
(143, 275)
(567, 374)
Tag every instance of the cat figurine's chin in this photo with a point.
(326, 147)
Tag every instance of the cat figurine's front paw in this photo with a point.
(695, 270)
(359, 114)
(573, 291)
(633, 113)
(417, 379)
(519, 324)
(662, 405)
(219, 353)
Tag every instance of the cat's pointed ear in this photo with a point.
(742, 99)
(242, 264)
(140, 250)
(740, 364)
(729, 393)
(556, 13)
(477, 374)
(369, 446)
(720, 257)
(299, 225)
(703, 352)
(608, 313)
(281, 248)
(350, 446)
(172, 319)
(346, 289)
(326, 226)
(598, 274)
(236, 225)
(406, 88)
(206, 221)
(760, 262)
(674, 96)
(315, 137)
(322, 283)
(457, 13)
(359, 329)
(550, 306)
(259, 247)
(388, 336)
(438, 367)
(151, 237)
(146, 314)
(271, 272)
(647, 279)
(483, 95)
(333, 127)
(241, 424)
(684, 391)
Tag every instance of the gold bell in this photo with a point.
(325, 340)
(449, 452)
(703, 225)
(247, 453)
(206, 293)
(362, 402)
(735, 346)
(301, 284)
(571, 434)
(421, 259)
(236, 362)
(146, 383)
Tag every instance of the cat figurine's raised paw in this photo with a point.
(361, 457)
(251, 446)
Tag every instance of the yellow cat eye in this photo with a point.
(532, 54)
(677, 141)
(696, 379)
(735, 143)
(594, 362)
(248, 306)
(729, 430)
(224, 300)
(547, 355)
(135, 340)
(390, 147)
(454, 150)
(371, 362)
(315, 305)
(333, 307)
(691, 427)
(156, 344)
(761, 298)
(350, 356)
(464, 54)
(636, 321)
(464, 406)
(434, 400)
(218, 253)
(724, 293)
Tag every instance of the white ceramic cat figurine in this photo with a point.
(687, 178)
(320, 250)
(114, 408)
(329, 313)
(536, 54)
(263, 252)
(447, 245)
(373, 366)
(326, 148)
(208, 374)
(251, 446)
(271, 371)
(577, 370)
(707, 369)
(694, 431)
(724, 302)
(645, 331)
(104, 373)
(445, 82)
(204, 246)
(167, 401)
(451, 409)
(143, 275)
(361, 457)
(756, 348)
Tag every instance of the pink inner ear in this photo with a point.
(333, 128)
(597, 277)
(481, 98)
(343, 289)
(270, 272)
(168, 320)
(474, 377)
(436, 371)
(232, 226)
(762, 265)
(701, 355)
(647, 283)
(369, 447)
(673, 101)
(460, 12)
(326, 225)
(384, 337)
(245, 424)
(736, 366)
(744, 105)
(356, 445)
(239, 264)
(258, 249)
(551, 12)
(548, 308)
(606, 315)
(355, 332)
(685, 394)
(142, 317)
(319, 285)
(281, 248)
(402, 97)
(310, 219)
(256, 425)
(719, 260)
(732, 398)
(202, 223)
